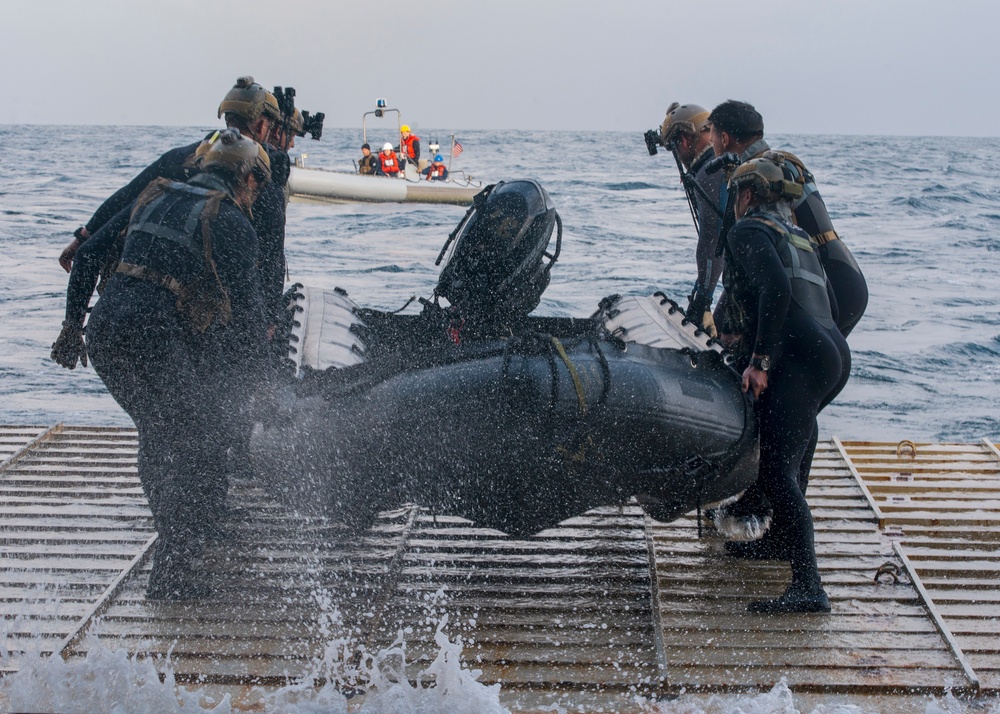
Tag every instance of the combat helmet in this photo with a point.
(682, 119)
(249, 100)
(770, 179)
(229, 152)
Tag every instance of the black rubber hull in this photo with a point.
(509, 439)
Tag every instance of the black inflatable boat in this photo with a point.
(514, 421)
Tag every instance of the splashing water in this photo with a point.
(111, 680)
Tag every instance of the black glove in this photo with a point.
(69, 347)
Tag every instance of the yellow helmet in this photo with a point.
(249, 100)
(769, 178)
(683, 119)
(231, 151)
(405, 128)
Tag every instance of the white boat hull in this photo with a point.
(317, 185)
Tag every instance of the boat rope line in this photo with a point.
(581, 398)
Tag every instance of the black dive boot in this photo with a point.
(801, 596)
(171, 577)
(770, 547)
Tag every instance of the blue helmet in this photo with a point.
(438, 158)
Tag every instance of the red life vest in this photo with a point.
(434, 171)
(408, 143)
(389, 163)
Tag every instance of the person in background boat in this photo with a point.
(780, 316)
(409, 145)
(388, 161)
(178, 332)
(369, 164)
(254, 112)
(685, 131)
(437, 171)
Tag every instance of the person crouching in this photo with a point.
(181, 316)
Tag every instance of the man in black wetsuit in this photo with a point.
(254, 111)
(792, 354)
(685, 131)
(737, 128)
(178, 337)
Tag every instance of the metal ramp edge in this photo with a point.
(940, 505)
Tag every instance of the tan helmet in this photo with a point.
(297, 124)
(769, 178)
(682, 119)
(249, 100)
(231, 151)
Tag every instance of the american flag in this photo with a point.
(456, 150)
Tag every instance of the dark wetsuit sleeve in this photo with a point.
(269, 224)
(88, 261)
(752, 248)
(167, 166)
(709, 266)
(235, 247)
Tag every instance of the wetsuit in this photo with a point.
(180, 386)
(709, 222)
(842, 269)
(268, 214)
(780, 308)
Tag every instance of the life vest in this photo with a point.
(367, 164)
(203, 300)
(434, 172)
(390, 164)
(800, 257)
(408, 143)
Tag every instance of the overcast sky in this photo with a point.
(832, 67)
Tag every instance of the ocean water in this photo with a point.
(922, 216)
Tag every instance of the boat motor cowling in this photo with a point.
(500, 261)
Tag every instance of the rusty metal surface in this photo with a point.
(941, 504)
(572, 617)
(564, 614)
(879, 637)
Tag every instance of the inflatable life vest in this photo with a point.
(204, 300)
(390, 164)
(800, 258)
(436, 172)
(408, 142)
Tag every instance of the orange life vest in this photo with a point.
(408, 143)
(434, 171)
(389, 163)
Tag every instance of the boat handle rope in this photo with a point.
(581, 398)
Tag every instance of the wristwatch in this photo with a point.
(763, 363)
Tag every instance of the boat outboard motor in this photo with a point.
(500, 262)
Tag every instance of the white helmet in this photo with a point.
(387, 146)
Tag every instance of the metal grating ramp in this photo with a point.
(73, 523)
(941, 504)
(563, 615)
(571, 618)
(878, 639)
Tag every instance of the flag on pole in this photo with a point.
(456, 150)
